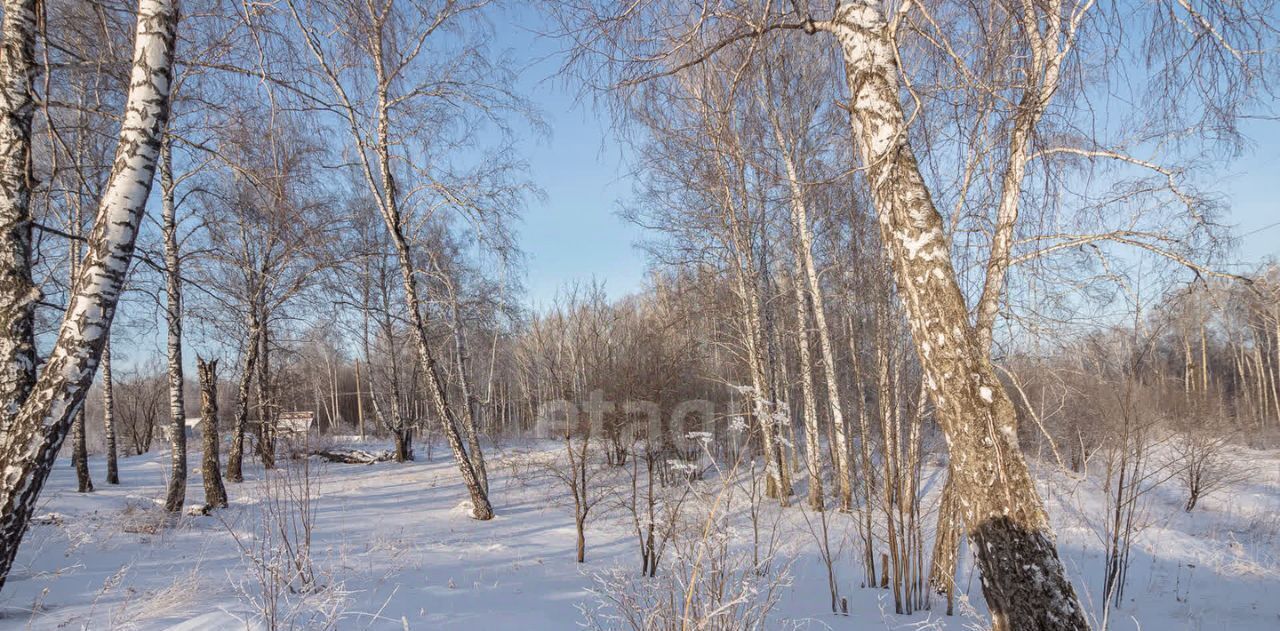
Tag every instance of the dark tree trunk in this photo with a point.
(582, 539)
(18, 294)
(80, 455)
(235, 459)
(108, 417)
(404, 444)
(266, 409)
(215, 494)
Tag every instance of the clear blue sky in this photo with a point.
(574, 233)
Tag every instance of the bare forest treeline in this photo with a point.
(898, 254)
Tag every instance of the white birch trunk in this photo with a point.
(41, 425)
(177, 491)
(812, 441)
(109, 417)
(800, 223)
(1023, 579)
(382, 188)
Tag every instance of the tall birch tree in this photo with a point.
(403, 66)
(44, 418)
(18, 293)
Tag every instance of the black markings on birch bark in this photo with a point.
(177, 492)
(1023, 579)
(108, 416)
(41, 425)
(18, 294)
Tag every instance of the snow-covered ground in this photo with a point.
(393, 548)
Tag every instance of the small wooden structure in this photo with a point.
(294, 424)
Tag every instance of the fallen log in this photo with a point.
(352, 456)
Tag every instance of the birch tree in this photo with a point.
(44, 418)
(1003, 516)
(215, 494)
(796, 95)
(702, 189)
(395, 42)
(109, 416)
(1023, 579)
(177, 492)
(18, 293)
(265, 224)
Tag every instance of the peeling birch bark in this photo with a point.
(1049, 48)
(1023, 579)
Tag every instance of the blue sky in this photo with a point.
(1251, 185)
(575, 234)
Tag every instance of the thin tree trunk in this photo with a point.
(215, 494)
(887, 385)
(80, 455)
(1271, 371)
(469, 401)
(482, 510)
(235, 459)
(384, 190)
(864, 453)
(1204, 360)
(813, 444)
(266, 407)
(18, 294)
(41, 425)
(800, 224)
(1023, 579)
(108, 416)
(359, 402)
(79, 449)
(177, 492)
(778, 485)
(946, 544)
